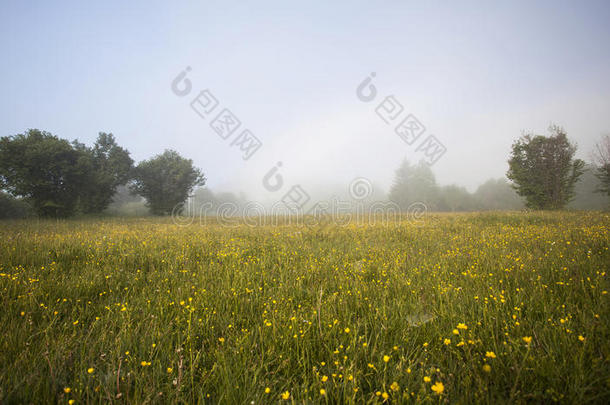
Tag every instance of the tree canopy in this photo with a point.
(543, 169)
(48, 171)
(166, 181)
(111, 167)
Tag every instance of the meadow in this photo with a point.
(467, 308)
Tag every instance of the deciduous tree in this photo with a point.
(543, 169)
(166, 181)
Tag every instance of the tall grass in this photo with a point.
(142, 310)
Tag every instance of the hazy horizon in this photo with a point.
(475, 75)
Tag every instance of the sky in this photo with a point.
(476, 75)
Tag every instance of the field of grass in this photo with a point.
(471, 308)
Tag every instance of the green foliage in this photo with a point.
(46, 170)
(111, 167)
(60, 177)
(166, 181)
(543, 169)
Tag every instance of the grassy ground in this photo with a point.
(467, 308)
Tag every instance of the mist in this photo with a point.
(474, 76)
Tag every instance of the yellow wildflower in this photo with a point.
(438, 387)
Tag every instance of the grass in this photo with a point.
(143, 310)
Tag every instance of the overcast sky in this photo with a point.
(475, 74)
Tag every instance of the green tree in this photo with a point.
(46, 170)
(166, 181)
(111, 167)
(543, 169)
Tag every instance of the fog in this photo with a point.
(475, 75)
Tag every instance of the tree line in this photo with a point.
(542, 169)
(53, 177)
(58, 178)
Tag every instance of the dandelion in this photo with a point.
(491, 355)
(285, 395)
(438, 387)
